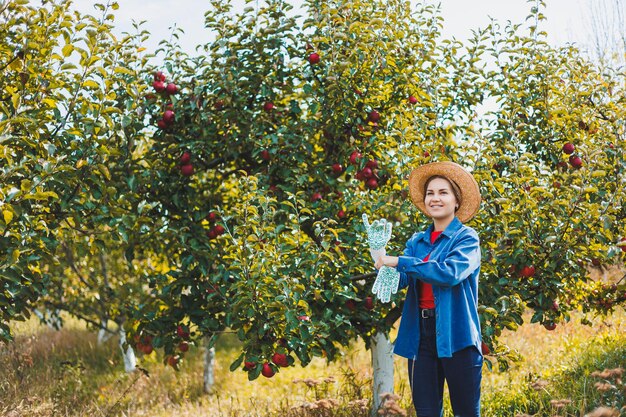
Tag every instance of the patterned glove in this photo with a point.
(378, 233)
(386, 283)
(387, 280)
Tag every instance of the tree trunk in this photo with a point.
(104, 333)
(51, 319)
(130, 362)
(382, 364)
(209, 367)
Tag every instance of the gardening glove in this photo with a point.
(386, 283)
(378, 234)
(387, 280)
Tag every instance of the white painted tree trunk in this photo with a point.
(130, 361)
(52, 320)
(382, 365)
(209, 368)
(104, 333)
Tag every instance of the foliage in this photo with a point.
(293, 132)
(225, 190)
(72, 130)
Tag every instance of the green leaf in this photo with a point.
(237, 362)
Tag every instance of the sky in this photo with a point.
(567, 20)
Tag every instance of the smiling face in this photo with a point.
(440, 199)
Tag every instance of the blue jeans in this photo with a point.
(462, 372)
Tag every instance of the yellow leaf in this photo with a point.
(90, 83)
(104, 171)
(67, 50)
(8, 216)
(41, 195)
(122, 70)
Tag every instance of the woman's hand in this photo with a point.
(385, 260)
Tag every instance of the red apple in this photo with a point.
(159, 86)
(555, 306)
(183, 346)
(168, 116)
(314, 58)
(147, 349)
(267, 370)
(623, 247)
(159, 76)
(569, 148)
(575, 161)
(182, 332)
(280, 359)
(528, 271)
(337, 168)
(172, 361)
(372, 164)
(186, 170)
(341, 214)
(211, 234)
(426, 154)
(412, 100)
(369, 303)
(367, 173)
(549, 325)
(304, 318)
(219, 229)
(185, 158)
(351, 305)
(372, 183)
(268, 106)
(355, 156)
(265, 154)
(373, 116)
(171, 88)
(316, 197)
(161, 124)
(249, 365)
(484, 348)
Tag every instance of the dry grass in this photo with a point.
(64, 373)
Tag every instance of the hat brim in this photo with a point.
(470, 192)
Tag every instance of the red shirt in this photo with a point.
(425, 291)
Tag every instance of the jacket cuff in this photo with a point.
(404, 262)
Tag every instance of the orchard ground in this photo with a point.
(64, 373)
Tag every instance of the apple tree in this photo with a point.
(69, 127)
(279, 136)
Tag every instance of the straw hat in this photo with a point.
(470, 193)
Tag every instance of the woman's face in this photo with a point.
(440, 200)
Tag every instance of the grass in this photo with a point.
(65, 373)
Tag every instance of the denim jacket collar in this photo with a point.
(452, 228)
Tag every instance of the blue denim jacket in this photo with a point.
(452, 270)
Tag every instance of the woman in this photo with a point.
(440, 329)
